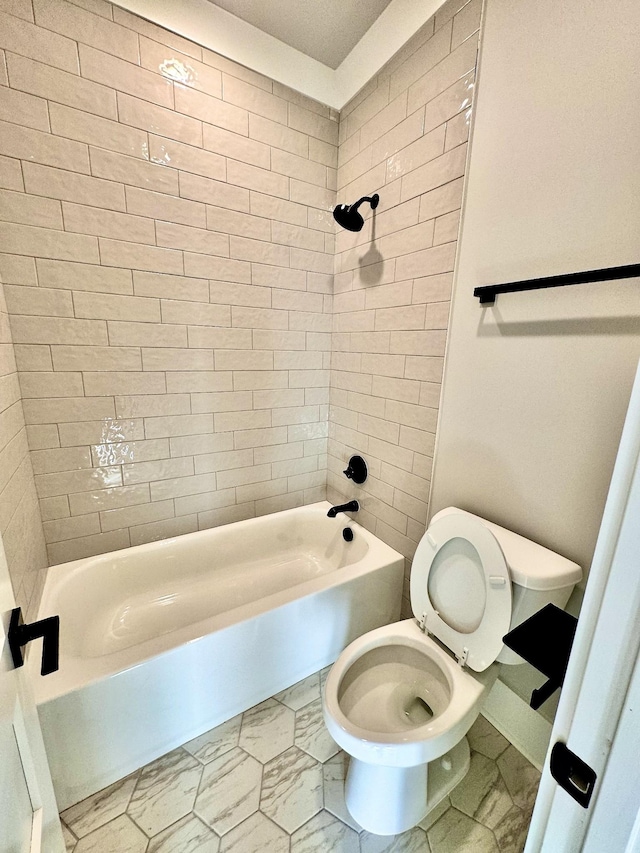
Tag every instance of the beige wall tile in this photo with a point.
(117, 254)
(109, 307)
(133, 171)
(165, 122)
(178, 425)
(151, 405)
(107, 223)
(103, 500)
(182, 68)
(30, 210)
(195, 381)
(170, 286)
(10, 174)
(20, 8)
(231, 222)
(68, 410)
(152, 31)
(58, 183)
(276, 208)
(180, 360)
(32, 357)
(237, 146)
(105, 431)
(163, 469)
(80, 25)
(96, 358)
(21, 108)
(75, 276)
(106, 383)
(439, 171)
(113, 519)
(253, 98)
(191, 239)
(313, 124)
(279, 136)
(194, 445)
(254, 178)
(415, 66)
(211, 110)
(466, 22)
(214, 192)
(201, 336)
(26, 39)
(442, 200)
(124, 76)
(43, 148)
(231, 401)
(60, 459)
(61, 86)
(87, 546)
(40, 301)
(162, 207)
(65, 529)
(196, 314)
(186, 157)
(427, 262)
(44, 243)
(51, 508)
(458, 63)
(227, 292)
(148, 334)
(181, 486)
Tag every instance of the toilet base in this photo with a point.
(388, 800)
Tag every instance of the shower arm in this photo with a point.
(372, 199)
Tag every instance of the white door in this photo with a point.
(28, 815)
(599, 707)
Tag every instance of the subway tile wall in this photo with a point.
(167, 253)
(20, 525)
(403, 136)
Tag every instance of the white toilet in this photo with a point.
(400, 699)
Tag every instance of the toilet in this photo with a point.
(400, 699)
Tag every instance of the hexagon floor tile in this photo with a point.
(272, 780)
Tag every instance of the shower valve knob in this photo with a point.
(356, 470)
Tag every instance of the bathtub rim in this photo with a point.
(115, 663)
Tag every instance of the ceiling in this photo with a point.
(326, 30)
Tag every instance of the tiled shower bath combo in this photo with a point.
(167, 254)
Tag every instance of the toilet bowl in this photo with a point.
(400, 699)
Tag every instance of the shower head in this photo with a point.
(348, 216)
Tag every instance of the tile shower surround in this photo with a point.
(168, 260)
(272, 779)
(20, 525)
(405, 134)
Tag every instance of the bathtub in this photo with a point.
(162, 642)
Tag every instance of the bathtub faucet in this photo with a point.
(352, 506)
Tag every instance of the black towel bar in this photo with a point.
(488, 293)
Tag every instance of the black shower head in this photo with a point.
(348, 216)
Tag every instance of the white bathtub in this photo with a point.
(161, 642)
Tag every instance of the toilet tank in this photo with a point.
(538, 576)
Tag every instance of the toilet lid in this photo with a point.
(461, 581)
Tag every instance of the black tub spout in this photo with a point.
(352, 506)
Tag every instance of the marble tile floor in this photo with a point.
(271, 780)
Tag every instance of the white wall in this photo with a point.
(536, 387)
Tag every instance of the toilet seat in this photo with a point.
(459, 553)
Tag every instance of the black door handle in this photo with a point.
(572, 774)
(20, 634)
